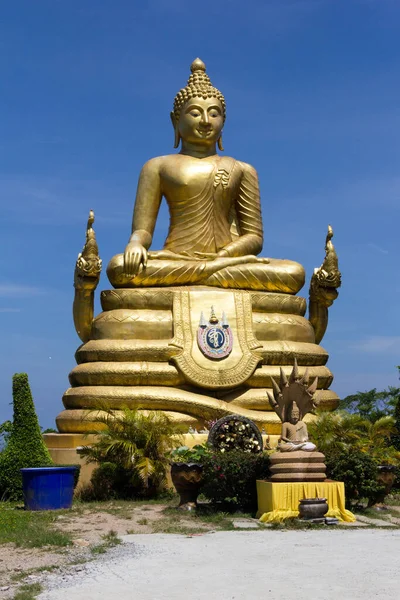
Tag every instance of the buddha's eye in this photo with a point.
(194, 113)
(214, 114)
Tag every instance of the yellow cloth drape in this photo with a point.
(279, 501)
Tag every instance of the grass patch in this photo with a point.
(206, 515)
(169, 525)
(110, 540)
(30, 529)
(28, 591)
(15, 577)
(393, 499)
(143, 521)
(297, 524)
(372, 513)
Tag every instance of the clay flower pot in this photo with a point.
(313, 508)
(187, 479)
(386, 477)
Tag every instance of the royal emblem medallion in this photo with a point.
(215, 338)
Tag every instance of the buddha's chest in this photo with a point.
(187, 181)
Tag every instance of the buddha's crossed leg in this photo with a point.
(241, 272)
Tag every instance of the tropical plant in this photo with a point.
(353, 448)
(24, 446)
(138, 444)
(340, 431)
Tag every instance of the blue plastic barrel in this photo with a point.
(48, 488)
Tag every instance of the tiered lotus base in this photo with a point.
(297, 466)
(131, 360)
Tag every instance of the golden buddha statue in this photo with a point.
(200, 328)
(215, 228)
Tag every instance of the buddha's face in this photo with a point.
(201, 121)
(295, 416)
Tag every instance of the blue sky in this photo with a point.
(312, 90)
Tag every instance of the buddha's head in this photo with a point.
(294, 414)
(199, 110)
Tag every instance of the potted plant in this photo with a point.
(26, 468)
(187, 474)
(388, 460)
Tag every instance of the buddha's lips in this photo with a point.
(204, 131)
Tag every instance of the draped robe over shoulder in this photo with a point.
(219, 210)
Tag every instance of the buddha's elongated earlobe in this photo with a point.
(220, 146)
(177, 138)
(176, 130)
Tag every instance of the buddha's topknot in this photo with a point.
(198, 86)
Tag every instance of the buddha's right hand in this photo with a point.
(135, 256)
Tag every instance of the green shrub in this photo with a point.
(25, 447)
(358, 471)
(110, 480)
(396, 436)
(230, 478)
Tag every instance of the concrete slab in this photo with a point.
(245, 524)
(237, 565)
(375, 522)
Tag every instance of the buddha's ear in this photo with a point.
(176, 130)
(220, 145)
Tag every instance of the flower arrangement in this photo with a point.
(235, 432)
(187, 455)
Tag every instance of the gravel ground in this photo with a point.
(325, 564)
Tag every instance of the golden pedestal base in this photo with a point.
(143, 353)
(280, 501)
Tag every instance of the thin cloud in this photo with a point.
(10, 310)
(11, 290)
(378, 344)
(378, 248)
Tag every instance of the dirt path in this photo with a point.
(94, 528)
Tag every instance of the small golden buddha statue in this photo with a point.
(215, 231)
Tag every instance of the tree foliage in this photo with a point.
(24, 445)
(358, 471)
(372, 405)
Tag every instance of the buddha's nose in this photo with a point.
(204, 118)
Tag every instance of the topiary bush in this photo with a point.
(25, 446)
(359, 473)
(230, 478)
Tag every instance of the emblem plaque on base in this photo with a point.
(215, 338)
